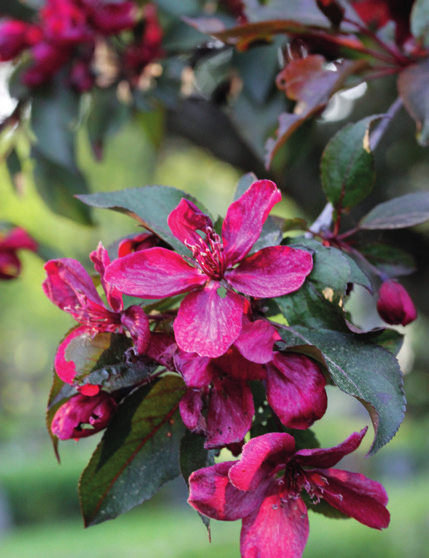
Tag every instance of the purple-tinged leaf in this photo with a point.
(399, 213)
(138, 453)
(347, 166)
(309, 82)
(366, 371)
(413, 85)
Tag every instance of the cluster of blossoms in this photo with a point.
(66, 35)
(220, 343)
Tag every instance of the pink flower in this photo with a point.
(209, 321)
(70, 288)
(294, 383)
(10, 243)
(94, 412)
(110, 17)
(264, 490)
(16, 36)
(395, 305)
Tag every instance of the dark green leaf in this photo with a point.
(399, 213)
(17, 10)
(54, 114)
(14, 167)
(106, 116)
(194, 456)
(151, 205)
(100, 360)
(330, 267)
(347, 165)
(308, 307)
(304, 439)
(389, 339)
(138, 453)
(58, 185)
(413, 85)
(392, 261)
(364, 370)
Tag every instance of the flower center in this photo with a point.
(210, 255)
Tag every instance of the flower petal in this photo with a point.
(234, 365)
(186, 220)
(66, 369)
(153, 273)
(191, 406)
(208, 324)
(211, 493)
(273, 271)
(196, 371)
(244, 219)
(353, 494)
(10, 265)
(230, 412)
(137, 323)
(279, 528)
(328, 457)
(256, 341)
(162, 348)
(100, 259)
(276, 447)
(69, 287)
(296, 390)
(18, 239)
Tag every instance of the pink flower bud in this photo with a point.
(395, 305)
(93, 412)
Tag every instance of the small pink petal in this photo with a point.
(197, 372)
(234, 365)
(278, 529)
(208, 324)
(211, 493)
(296, 390)
(66, 369)
(137, 323)
(153, 273)
(186, 220)
(191, 406)
(230, 412)
(89, 389)
(256, 341)
(245, 217)
(276, 447)
(162, 348)
(353, 494)
(100, 259)
(328, 457)
(271, 272)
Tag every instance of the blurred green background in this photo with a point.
(39, 510)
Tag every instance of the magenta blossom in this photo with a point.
(209, 318)
(395, 305)
(94, 413)
(70, 288)
(294, 383)
(10, 243)
(264, 490)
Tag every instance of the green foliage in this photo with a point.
(399, 213)
(139, 452)
(364, 370)
(347, 166)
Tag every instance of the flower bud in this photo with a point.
(395, 305)
(93, 412)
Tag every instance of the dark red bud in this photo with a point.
(395, 305)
